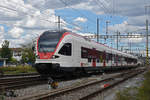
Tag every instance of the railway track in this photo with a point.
(16, 75)
(107, 87)
(20, 82)
(77, 91)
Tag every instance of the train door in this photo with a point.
(104, 58)
(94, 62)
(116, 60)
(94, 56)
(121, 60)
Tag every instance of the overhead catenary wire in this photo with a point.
(83, 15)
(101, 5)
(38, 17)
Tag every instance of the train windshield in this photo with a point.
(48, 41)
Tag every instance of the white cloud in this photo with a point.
(40, 20)
(80, 19)
(30, 22)
(124, 27)
(77, 28)
(87, 34)
(24, 20)
(16, 32)
(14, 9)
(1, 29)
(1, 35)
(132, 40)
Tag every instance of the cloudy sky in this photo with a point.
(21, 21)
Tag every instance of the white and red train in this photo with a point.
(61, 52)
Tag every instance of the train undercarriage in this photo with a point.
(55, 71)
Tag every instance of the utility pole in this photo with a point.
(107, 29)
(147, 57)
(130, 47)
(59, 23)
(97, 29)
(117, 39)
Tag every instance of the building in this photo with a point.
(16, 53)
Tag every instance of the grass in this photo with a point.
(136, 93)
(127, 94)
(17, 70)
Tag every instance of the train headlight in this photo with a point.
(55, 56)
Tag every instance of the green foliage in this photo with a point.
(13, 60)
(5, 51)
(140, 93)
(28, 56)
(17, 70)
(144, 90)
(127, 94)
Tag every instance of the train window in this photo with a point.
(89, 59)
(135, 61)
(66, 49)
(98, 60)
(123, 58)
(115, 58)
(119, 58)
(107, 57)
(110, 56)
(84, 52)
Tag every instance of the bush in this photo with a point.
(127, 94)
(13, 60)
(17, 70)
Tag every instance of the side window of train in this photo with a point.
(89, 59)
(98, 60)
(84, 52)
(107, 57)
(66, 49)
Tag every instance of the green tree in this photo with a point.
(13, 60)
(6, 51)
(28, 56)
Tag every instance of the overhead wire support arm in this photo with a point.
(115, 36)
